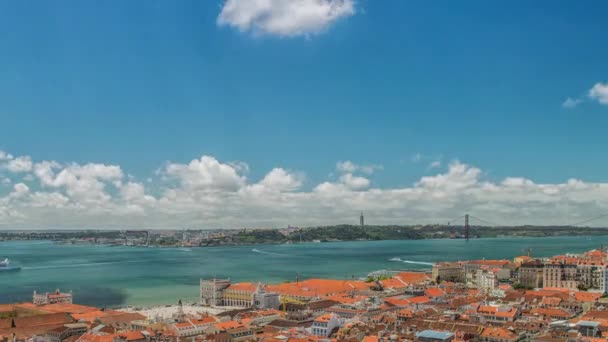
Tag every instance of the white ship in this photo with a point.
(5, 265)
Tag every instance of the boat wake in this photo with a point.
(91, 264)
(412, 262)
(255, 250)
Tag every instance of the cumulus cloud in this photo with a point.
(350, 167)
(354, 182)
(571, 103)
(280, 180)
(599, 92)
(86, 183)
(5, 156)
(284, 17)
(207, 173)
(19, 190)
(20, 164)
(209, 193)
(458, 176)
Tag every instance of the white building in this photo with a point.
(52, 298)
(325, 325)
(486, 279)
(212, 291)
(265, 300)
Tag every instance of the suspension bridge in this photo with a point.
(467, 218)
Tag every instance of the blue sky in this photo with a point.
(401, 84)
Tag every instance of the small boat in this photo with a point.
(5, 266)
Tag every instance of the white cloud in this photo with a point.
(354, 182)
(53, 200)
(20, 164)
(599, 92)
(136, 192)
(280, 180)
(45, 171)
(206, 173)
(5, 156)
(284, 17)
(571, 102)
(84, 183)
(19, 190)
(350, 167)
(346, 166)
(435, 164)
(209, 193)
(459, 176)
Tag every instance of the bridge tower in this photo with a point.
(466, 227)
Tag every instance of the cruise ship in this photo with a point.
(5, 265)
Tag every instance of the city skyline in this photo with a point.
(268, 113)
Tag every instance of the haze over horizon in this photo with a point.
(227, 114)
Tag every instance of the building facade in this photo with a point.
(486, 279)
(325, 325)
(212, 291)
(52, 298)
(530, 274)
(449, 271)
(590, 276)
(265, 300)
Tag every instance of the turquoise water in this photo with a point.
(112, 276)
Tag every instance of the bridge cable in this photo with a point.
(589, 220)
(482, 220)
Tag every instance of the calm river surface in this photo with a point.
(113, 276)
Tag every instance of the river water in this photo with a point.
(115, 276)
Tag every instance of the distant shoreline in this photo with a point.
(62, 242)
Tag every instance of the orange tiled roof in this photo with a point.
(318, 287)
(587, 296)
(251, 287)
(93, 315)
(204, 320)
(434, 292)
(130, 335)
(323, 318)
(394, 283)
(69, 308)
(405, 313)
(221, 326)
(413, 277)
(552, 312)
(397, 301)
(347, 299)
(498, 333)
(497, 312)
(419, 300)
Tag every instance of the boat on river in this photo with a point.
(5, 266)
